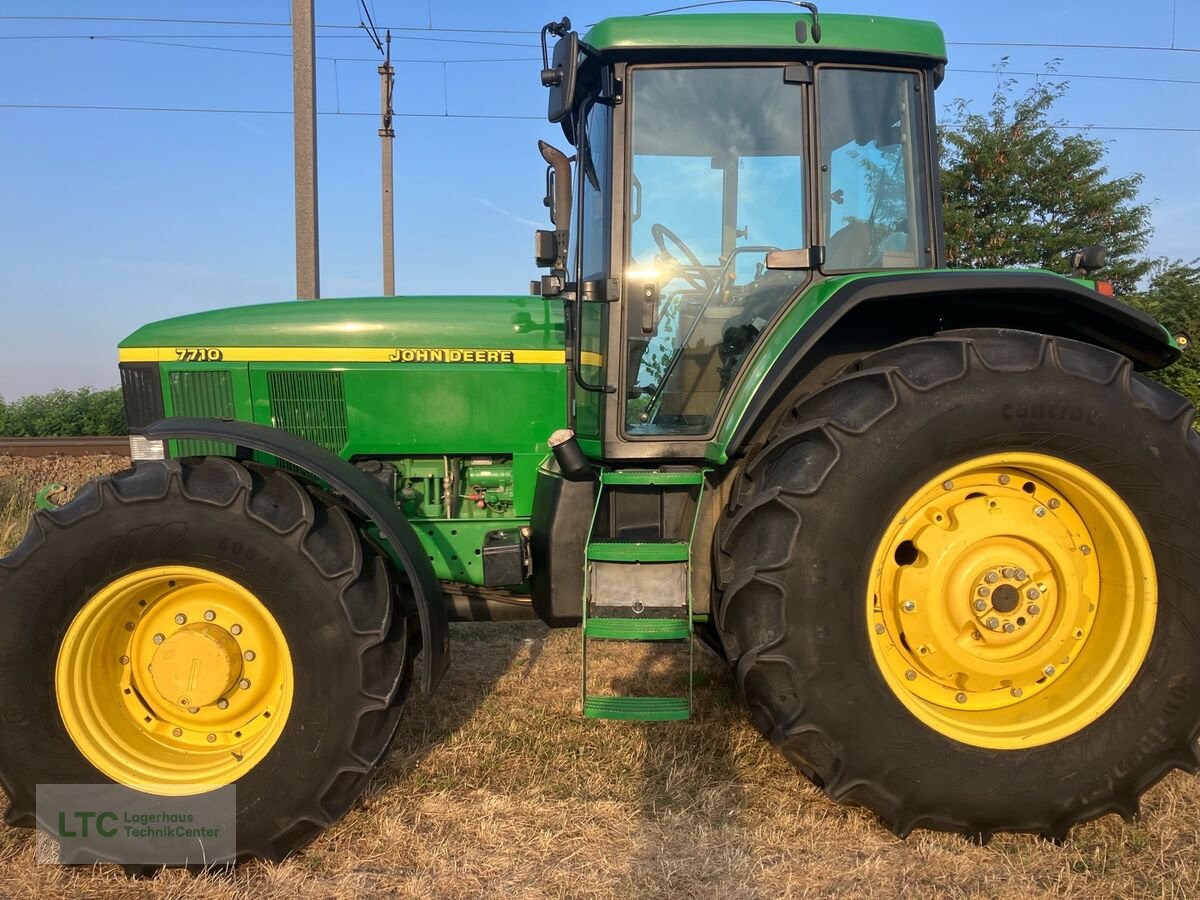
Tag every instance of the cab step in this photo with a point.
(638, 551)
(638, 589)
(637, 709)
(652, 477)
(638, 629)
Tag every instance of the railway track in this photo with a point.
(65, 446)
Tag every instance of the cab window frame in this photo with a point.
(621, 242)
(922, 132)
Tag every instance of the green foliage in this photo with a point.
(1018, 191)
(78, 413)
(1173, 297)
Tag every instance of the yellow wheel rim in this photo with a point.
(1011, 601)
(174, 680)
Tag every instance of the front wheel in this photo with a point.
(960, 584)
(194, 624)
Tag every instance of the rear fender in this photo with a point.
(841, 319)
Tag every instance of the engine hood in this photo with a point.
(349, 326)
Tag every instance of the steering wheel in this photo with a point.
(694, 272)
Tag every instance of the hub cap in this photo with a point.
(1011, 600)
(174, 680)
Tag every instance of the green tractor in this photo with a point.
(945, 534)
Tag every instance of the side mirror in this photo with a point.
(1087, 260)
(558, 198)
(558, 74)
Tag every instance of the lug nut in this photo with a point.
(1009, 627)
(1020, 574)
(180, 619)
(993, 623)
(910, 605)
(1008, 571)
(980, 605)
(1085, 549)
(1039, 511)
(1053, 504)
(991, 578)
(1049, 670)
(1034, 609)
(177, 732)
(235, 629)
(1004, 479)
(249, 655)
(910, 675)
(948, 485)
(158, 639)
(222, 703)
(984, 590)
(244, 684)
(960, 697)
(209, 615)
(1016, 692)
(1033, 593)
(880, 628)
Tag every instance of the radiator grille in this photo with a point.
(310, 405)
(204, 394)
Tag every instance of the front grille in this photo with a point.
(142, 392)
(310, 405)
(206, 395)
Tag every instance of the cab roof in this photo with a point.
(774, 31)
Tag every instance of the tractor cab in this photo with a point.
(722, 163)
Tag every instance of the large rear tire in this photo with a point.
(201, 622)
(959, 584)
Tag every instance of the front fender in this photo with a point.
(361, 490)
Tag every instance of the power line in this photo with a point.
(335, 59)
(248, 23)
(452, 115)
(1077, 75)
(256, 37)
(1048, 46)
(257, 112)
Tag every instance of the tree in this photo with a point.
(1020, 191)
(1173, 297)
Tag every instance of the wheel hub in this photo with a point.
(196, 665)
(986, 592)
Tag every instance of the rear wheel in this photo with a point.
(959, 584)
(192, 624)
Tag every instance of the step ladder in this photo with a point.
(640, 589)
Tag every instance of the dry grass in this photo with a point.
(497, 787)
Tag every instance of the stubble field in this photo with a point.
(496, 787)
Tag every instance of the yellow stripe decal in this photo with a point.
(470, 355)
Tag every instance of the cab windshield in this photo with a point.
(718, 180)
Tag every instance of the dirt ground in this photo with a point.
(496, 786)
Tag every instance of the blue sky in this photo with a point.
(109, 219)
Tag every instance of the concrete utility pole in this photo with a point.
(387, 77)
(304, 115)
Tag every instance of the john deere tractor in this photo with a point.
(945, 533)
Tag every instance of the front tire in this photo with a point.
(201, 622)
(864, 534)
